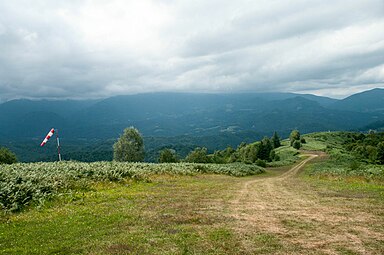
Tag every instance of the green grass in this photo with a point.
(345, 178)
(341, 163)
(267, 243)
(344, 168)
(123, 218)
(287, 155)
(168, 214)
(348, 187)
(177, 208)
(323, 141)
(298, 225)
(27, 184)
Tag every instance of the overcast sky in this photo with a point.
(101, 48)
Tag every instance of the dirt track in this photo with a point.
(302, 216)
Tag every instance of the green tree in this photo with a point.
(371, 152)
(129, 147)
(275, 140)
(168, 156)
(380, 153)
(217, 158)
(294, 136)
(296, 144)
(198, 155)
(265, 148)
(253, 150)
(7, 156)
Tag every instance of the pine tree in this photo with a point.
(275, 140)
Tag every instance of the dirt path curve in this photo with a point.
(289, 208)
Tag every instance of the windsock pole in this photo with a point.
(48, 136)
(58, 144)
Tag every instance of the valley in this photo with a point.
(182, 121)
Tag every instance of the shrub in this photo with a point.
(199, 155)
(294, 136)
(296, 144)
(6, 156)
(261, 163)
(168, 156)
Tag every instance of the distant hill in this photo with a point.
(212, 120)
(367, 101)
(175, 114)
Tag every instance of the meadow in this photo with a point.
(306, 203)
(34, 183)
(340, 162)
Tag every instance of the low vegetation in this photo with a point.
(349, 154)
(286, 154)
(169, 215)
(33, 183)
(199, 208)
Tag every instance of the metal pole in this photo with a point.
(58, 144)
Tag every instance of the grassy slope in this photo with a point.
(167, 216)
(34, 183)
(341, 164)
(192, 215)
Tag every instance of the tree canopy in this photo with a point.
(7, 156)
(295, 140)
(168, 156)
(275, 140)
(129, 147)
(199, 155)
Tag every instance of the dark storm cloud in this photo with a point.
(80, 49)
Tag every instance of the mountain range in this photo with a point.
(167, 115)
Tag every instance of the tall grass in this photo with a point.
(33, 183)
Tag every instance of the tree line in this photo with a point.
(130, 147)
(366, 147)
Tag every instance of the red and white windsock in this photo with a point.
(47, 137)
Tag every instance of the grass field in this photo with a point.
(33, 184)
(273, 213)
(307, 207)
(170, 215)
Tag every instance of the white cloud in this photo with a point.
(77, 49)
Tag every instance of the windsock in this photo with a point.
(47, 137)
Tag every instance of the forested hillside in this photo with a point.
(88, 128)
